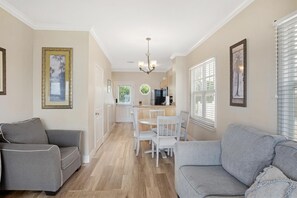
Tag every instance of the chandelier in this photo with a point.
(151, 64)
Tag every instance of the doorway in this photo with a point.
(99, 107)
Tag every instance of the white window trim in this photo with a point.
(201, 122)
(150, 89)
(124, 83)
(284, 115)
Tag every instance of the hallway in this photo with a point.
(116, 172)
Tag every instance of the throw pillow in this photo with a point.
(25, 132)
(272, 183)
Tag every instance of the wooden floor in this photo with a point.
(116, 172)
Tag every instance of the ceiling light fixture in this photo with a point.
(151, 64)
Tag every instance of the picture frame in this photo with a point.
(108, 85)
(2, 71)
(238, 74)
(56, 78)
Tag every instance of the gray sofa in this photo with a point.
(37, 159)
(227, 168)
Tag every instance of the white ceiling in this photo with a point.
(121, 26)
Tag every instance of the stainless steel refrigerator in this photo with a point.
(158, 96)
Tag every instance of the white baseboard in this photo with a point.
(86, 159)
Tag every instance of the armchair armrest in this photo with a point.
(64, 138)
(197, 153)
(31, 166)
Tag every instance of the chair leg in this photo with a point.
(153, 148)
(137, 148)
(135, 144)
(157, 152)
(186, 136)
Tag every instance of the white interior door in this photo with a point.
(99, 107)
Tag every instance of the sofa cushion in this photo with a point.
(272, 183)
(212, 180)
(26, 132)
(68, 156)
(246, 151)
(286, 158)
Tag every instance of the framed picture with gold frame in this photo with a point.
(2, 71)
(56, 78)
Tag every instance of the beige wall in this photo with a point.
(255, 23)
(181, 75)
(138, 78)
(77, 117)
(24, 65)
(97, 58)
(17, 39)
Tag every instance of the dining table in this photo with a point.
(151, 122)
(148, 121)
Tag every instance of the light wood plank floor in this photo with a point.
(116, 172)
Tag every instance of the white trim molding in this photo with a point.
(99, 42)
(214, 30)
(16, 13)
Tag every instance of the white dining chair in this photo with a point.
(154, 113)
(168, 133)
(185, 116)
(140, 135)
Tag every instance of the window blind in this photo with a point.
(203, 103)
(286, 38)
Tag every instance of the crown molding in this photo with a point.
(16, 13)
(22, 17)
(224, 22)
(99, 43)
(56, 27)
(173, 56)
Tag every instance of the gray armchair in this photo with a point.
(37, 159)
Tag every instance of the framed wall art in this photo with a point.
(238, 74)
(56, 78)
(2, 71)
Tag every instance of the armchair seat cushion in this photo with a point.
(210, 181)
(25, 132)
(68, 156)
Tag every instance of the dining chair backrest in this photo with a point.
(135, 121)
(154, 113)
(168, 126)
(185, 116)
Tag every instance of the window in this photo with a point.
(203, 92)
(124, 94)
(144, 89)
(287, 76)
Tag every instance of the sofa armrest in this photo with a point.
(31, 166)
(64, 138)
(197, 153)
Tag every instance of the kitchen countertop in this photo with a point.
(154, 106)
